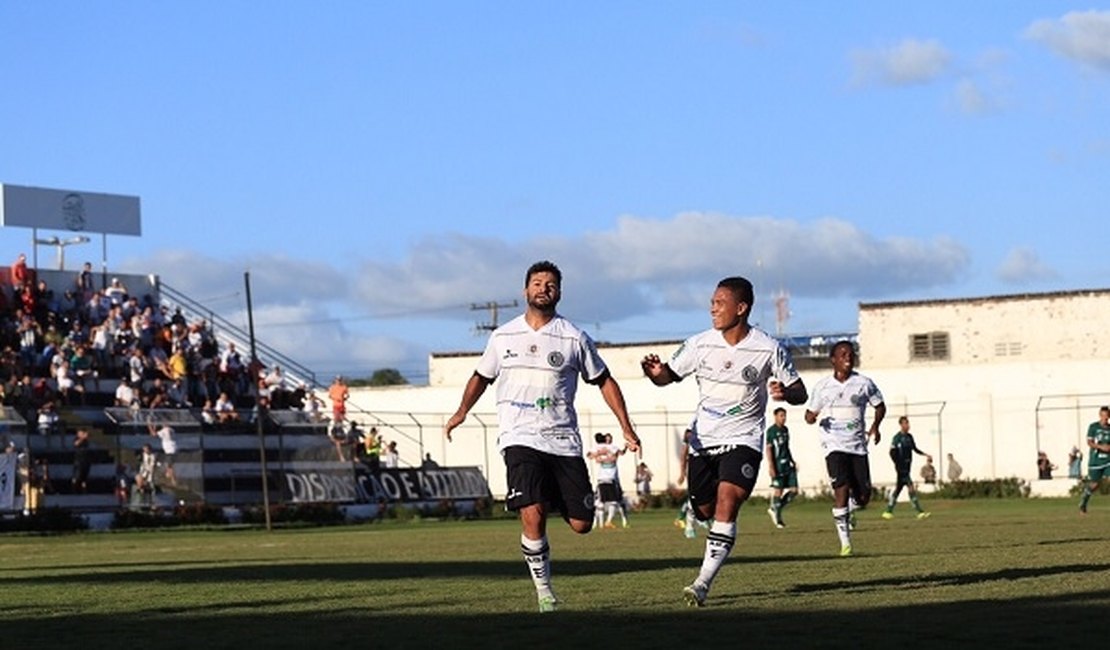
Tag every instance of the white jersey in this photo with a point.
(537, 377)
(732, 385)
(169, 445)
(841, 408)
(606, 457)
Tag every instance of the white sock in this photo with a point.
(840, 516)
(624, 516)
(853, 505)
(537, 557)
(718, 544)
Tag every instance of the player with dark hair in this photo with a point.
(537, 359)
(902, 449)
(737, 368)
(781, 467)
(841, 400)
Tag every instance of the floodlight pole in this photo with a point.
(259, 408)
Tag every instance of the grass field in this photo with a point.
(1002, 573)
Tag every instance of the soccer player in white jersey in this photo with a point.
(737, 367)
(536, 359)
(841, 402)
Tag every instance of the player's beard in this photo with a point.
(545, 306)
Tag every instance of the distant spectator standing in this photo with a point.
(48, 421)
(372, 449)
(429, 463)
(81, 462)
(1075, 463)
(954, 470)
(338, 394)
(1044, 466)
(392, 458)
(929, 471)
(83, 283)
(643, 485)
(144, 478)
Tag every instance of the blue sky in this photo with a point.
(381, 167)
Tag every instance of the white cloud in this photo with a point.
(911, 61)
(1083, 36)
(972, 100)
(392, 314)
(1023, 266)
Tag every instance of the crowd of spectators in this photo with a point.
(59, 345)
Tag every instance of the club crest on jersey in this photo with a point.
(555, 359)
(749, 373)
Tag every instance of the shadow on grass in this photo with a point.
(1055, 621)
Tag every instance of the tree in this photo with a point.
(387, 377)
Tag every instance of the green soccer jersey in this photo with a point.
(902, 447)
(1101, 436)
(779, 439)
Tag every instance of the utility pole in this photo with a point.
(494, 309)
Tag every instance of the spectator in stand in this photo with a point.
(296, 397)
(314, 406)
(67, 385)
(337, 433)
(338, 394)
(429, 463)
(126, 397)
(83, 283)
(177, 395)
(123, 485)
(178, 365)
(165, 433)
(116, 292)
(1075, 463)
(81, 462)
(155, 397)
(225, 409)
(144, 478)
(29, 334)
(208, 414)
(48, 420)
(46, 304)
(102, 349)
(82, 365)
(392, 458)
(21, 276)
(232, 370)
(372, 449)
(136, 366)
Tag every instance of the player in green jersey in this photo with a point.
(1098, 460)
(902, 449)
(780, 465)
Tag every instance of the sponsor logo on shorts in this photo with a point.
(748, 471)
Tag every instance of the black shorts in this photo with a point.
(738, 465)
(562, 483)
(610, 492)
(852, 470)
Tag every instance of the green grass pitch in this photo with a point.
(978, 573)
